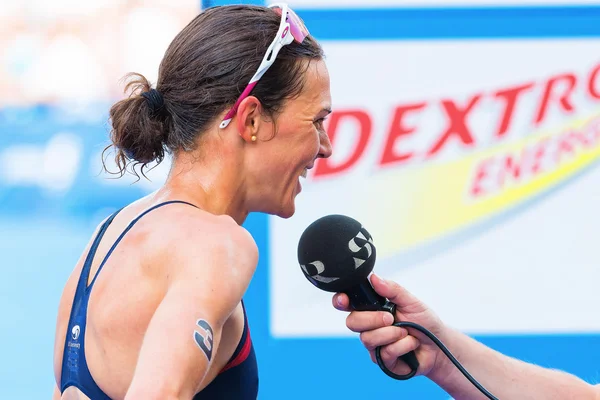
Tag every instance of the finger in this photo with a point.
(391, 290)
(382, 336)
(360, 321)
(373, 357)
(391, 352)
(341, 302)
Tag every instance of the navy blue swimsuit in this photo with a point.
(237, 380)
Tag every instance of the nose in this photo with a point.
(325, 149)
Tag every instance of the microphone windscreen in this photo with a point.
(336, 253)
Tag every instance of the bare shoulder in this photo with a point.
(596, 389)
(230, 242)
(198, 230)
(216, 247)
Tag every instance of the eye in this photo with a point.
(319, 123)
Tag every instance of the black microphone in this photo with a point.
(336, 254)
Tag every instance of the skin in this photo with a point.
(167, 271)
(504, 377)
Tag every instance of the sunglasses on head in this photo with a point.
(291, 28)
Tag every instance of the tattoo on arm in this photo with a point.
(204, 338)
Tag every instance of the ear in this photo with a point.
(249, 118)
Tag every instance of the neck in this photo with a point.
(214, 184)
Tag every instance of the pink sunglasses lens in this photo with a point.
(299, 30)
(297, 27)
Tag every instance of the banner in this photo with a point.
(465, 161)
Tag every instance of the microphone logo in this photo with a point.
(362, 240)
(319, 267)
(361, 247)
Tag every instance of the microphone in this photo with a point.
(336, 254)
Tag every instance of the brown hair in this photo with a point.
(204, 70)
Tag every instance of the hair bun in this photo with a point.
(156, 101)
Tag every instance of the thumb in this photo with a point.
(392, 291)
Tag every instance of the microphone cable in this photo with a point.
(442, 347)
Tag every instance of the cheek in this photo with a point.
(308, 145)
(299, 145)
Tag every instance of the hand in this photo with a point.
(375, 328)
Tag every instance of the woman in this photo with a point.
(165, 275)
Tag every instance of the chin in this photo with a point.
(286, 215)
(287, 212)
(284, 209)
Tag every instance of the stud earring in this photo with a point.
(253, 138)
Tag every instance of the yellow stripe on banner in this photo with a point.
(415, 205)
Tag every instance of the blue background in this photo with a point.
(42, 235)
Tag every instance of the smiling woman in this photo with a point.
(151, 327)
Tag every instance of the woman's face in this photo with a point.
(296, 139)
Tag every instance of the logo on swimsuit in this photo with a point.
(75, 332)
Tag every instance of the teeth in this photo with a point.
(304, 172)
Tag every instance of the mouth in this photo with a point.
(305, 170)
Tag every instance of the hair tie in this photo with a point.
(155, 101)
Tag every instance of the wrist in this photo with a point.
(443, 370)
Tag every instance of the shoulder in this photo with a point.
(214, 246)
(200, 230)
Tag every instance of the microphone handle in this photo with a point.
(364, 298)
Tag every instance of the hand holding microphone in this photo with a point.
(336, 254)
(375, 331)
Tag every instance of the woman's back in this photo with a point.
(128, 290)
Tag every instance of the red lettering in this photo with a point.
(565, 146)
(510, 168)
(582, 139)
(595, 128)
(510, 97)
(481, 173)
(564, 98)
(457, 125)
(594, 83)
(398, 130)
(538, 156)
(587, 136)
(323, 166)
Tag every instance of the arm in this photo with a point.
(56, 394)
(209, 277)
(504, 377)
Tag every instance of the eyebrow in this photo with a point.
(327, 109)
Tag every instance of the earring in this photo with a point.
(253, 138)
